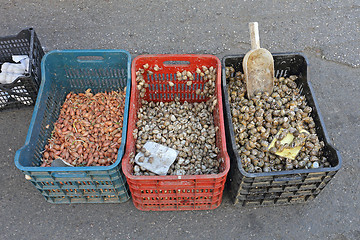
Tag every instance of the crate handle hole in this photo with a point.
(176, 63)
(90, 58)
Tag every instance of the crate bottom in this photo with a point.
(178, 201)
(176, 207)
(93, 193)
(95, 199)
(276, 201)
(84, 191)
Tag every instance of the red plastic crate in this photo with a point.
(187, 192)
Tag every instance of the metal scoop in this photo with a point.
(258, 65)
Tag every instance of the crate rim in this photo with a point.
(185, 55)
(15, 35)
(286, 172)
(124, 163)
(37, 105)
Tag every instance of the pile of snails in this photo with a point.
(258, 120)
(187, 127)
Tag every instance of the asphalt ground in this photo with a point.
(327, 32)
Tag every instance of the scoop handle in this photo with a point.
(254, 35)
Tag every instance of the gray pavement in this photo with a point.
(325, 31)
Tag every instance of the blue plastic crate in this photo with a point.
(75, 71)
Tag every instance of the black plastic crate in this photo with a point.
(23, 91)
(280, 187)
